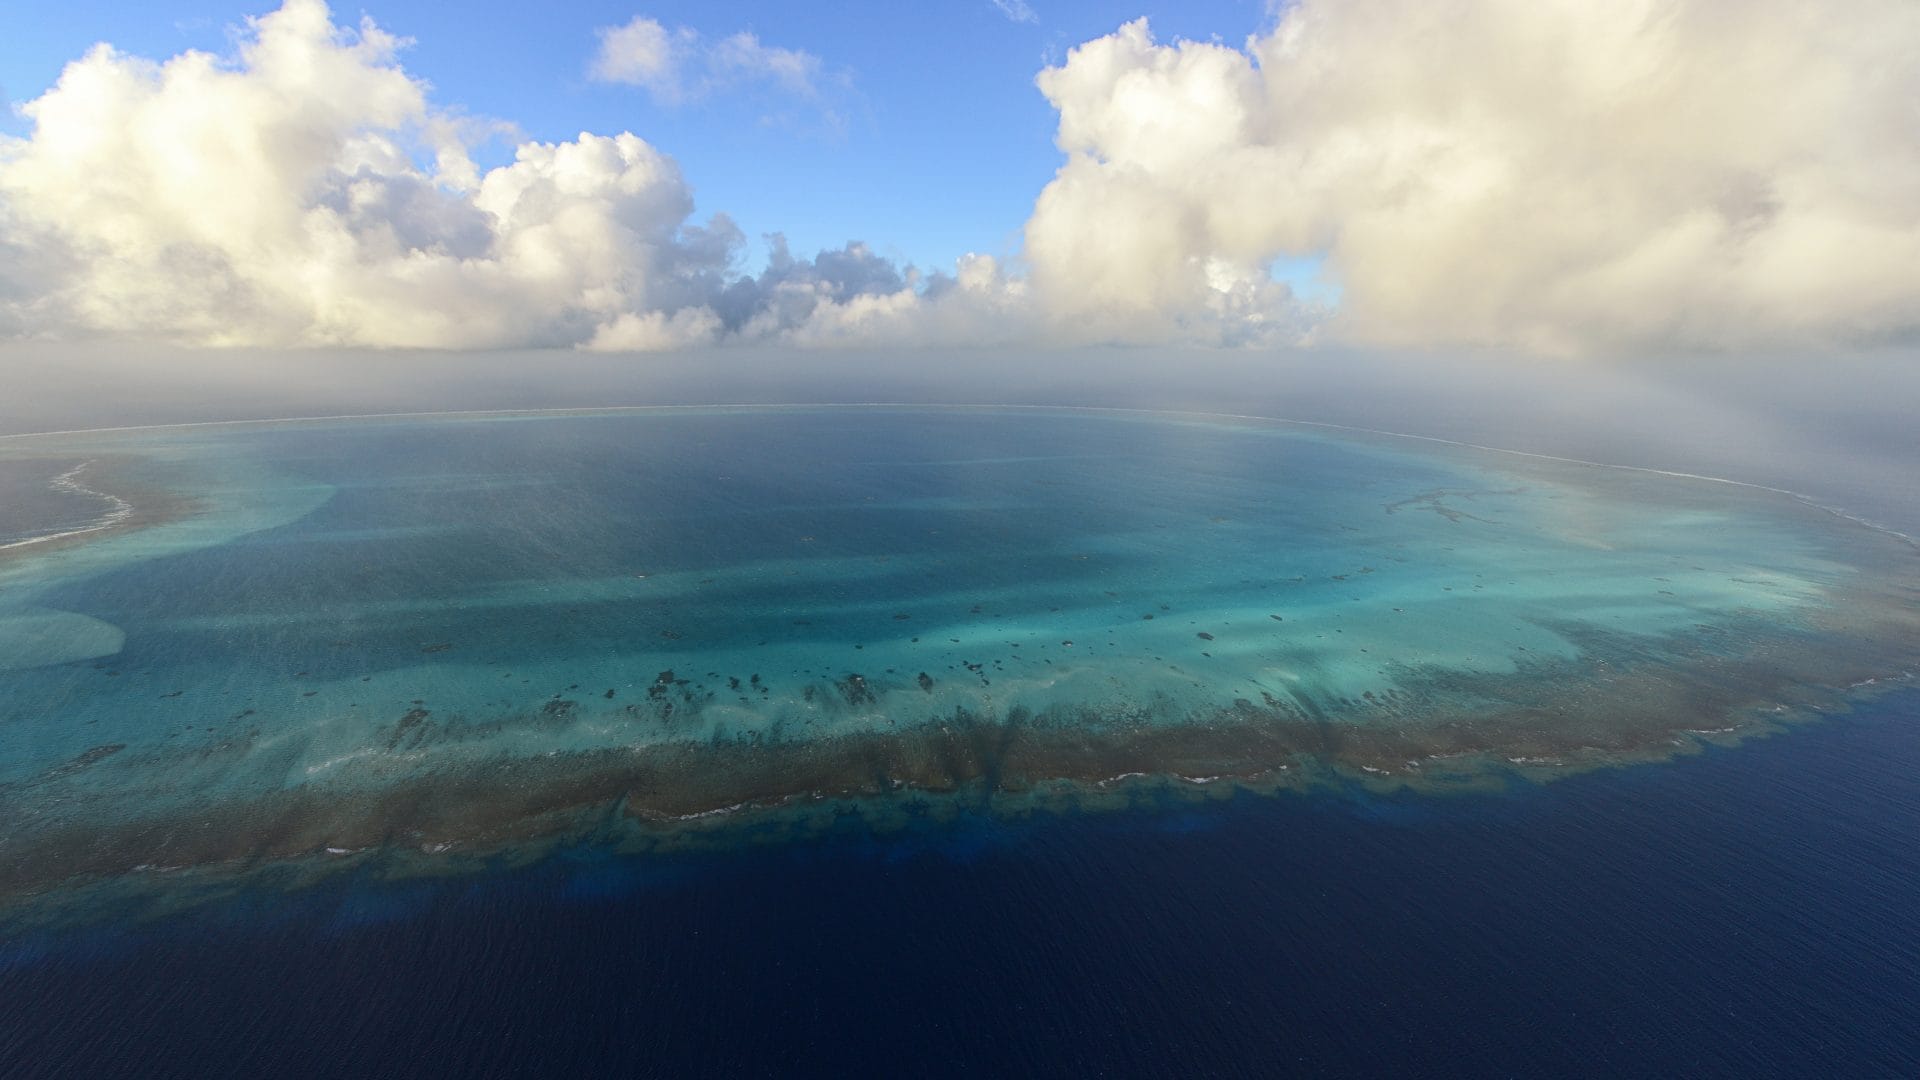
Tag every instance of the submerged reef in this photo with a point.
(115, 493)
(433, 643)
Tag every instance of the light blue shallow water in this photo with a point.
(359, 614)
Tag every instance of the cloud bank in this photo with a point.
(306, 191)
(1548, 175)
(1555, 176)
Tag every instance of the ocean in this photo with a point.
(325, 678)
(1743, 912)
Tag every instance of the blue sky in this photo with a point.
(941, 143)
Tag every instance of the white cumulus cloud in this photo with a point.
(1547, 174)
(306, 191)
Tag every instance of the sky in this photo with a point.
(1555, 178)
(926, 153)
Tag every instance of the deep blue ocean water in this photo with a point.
(1746, 912)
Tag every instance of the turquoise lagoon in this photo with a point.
(431, 641)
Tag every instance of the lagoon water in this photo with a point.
(759, 728)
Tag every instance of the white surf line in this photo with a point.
(770, 406)
(69, 481)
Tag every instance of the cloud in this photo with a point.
(1551, 176)
(849, 296)
(644, 53)
(680, 65)
(1017, 10)
(855, 297)
(305, 191)
(742, 56)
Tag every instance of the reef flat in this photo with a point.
(73, 502)
(435, 641)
